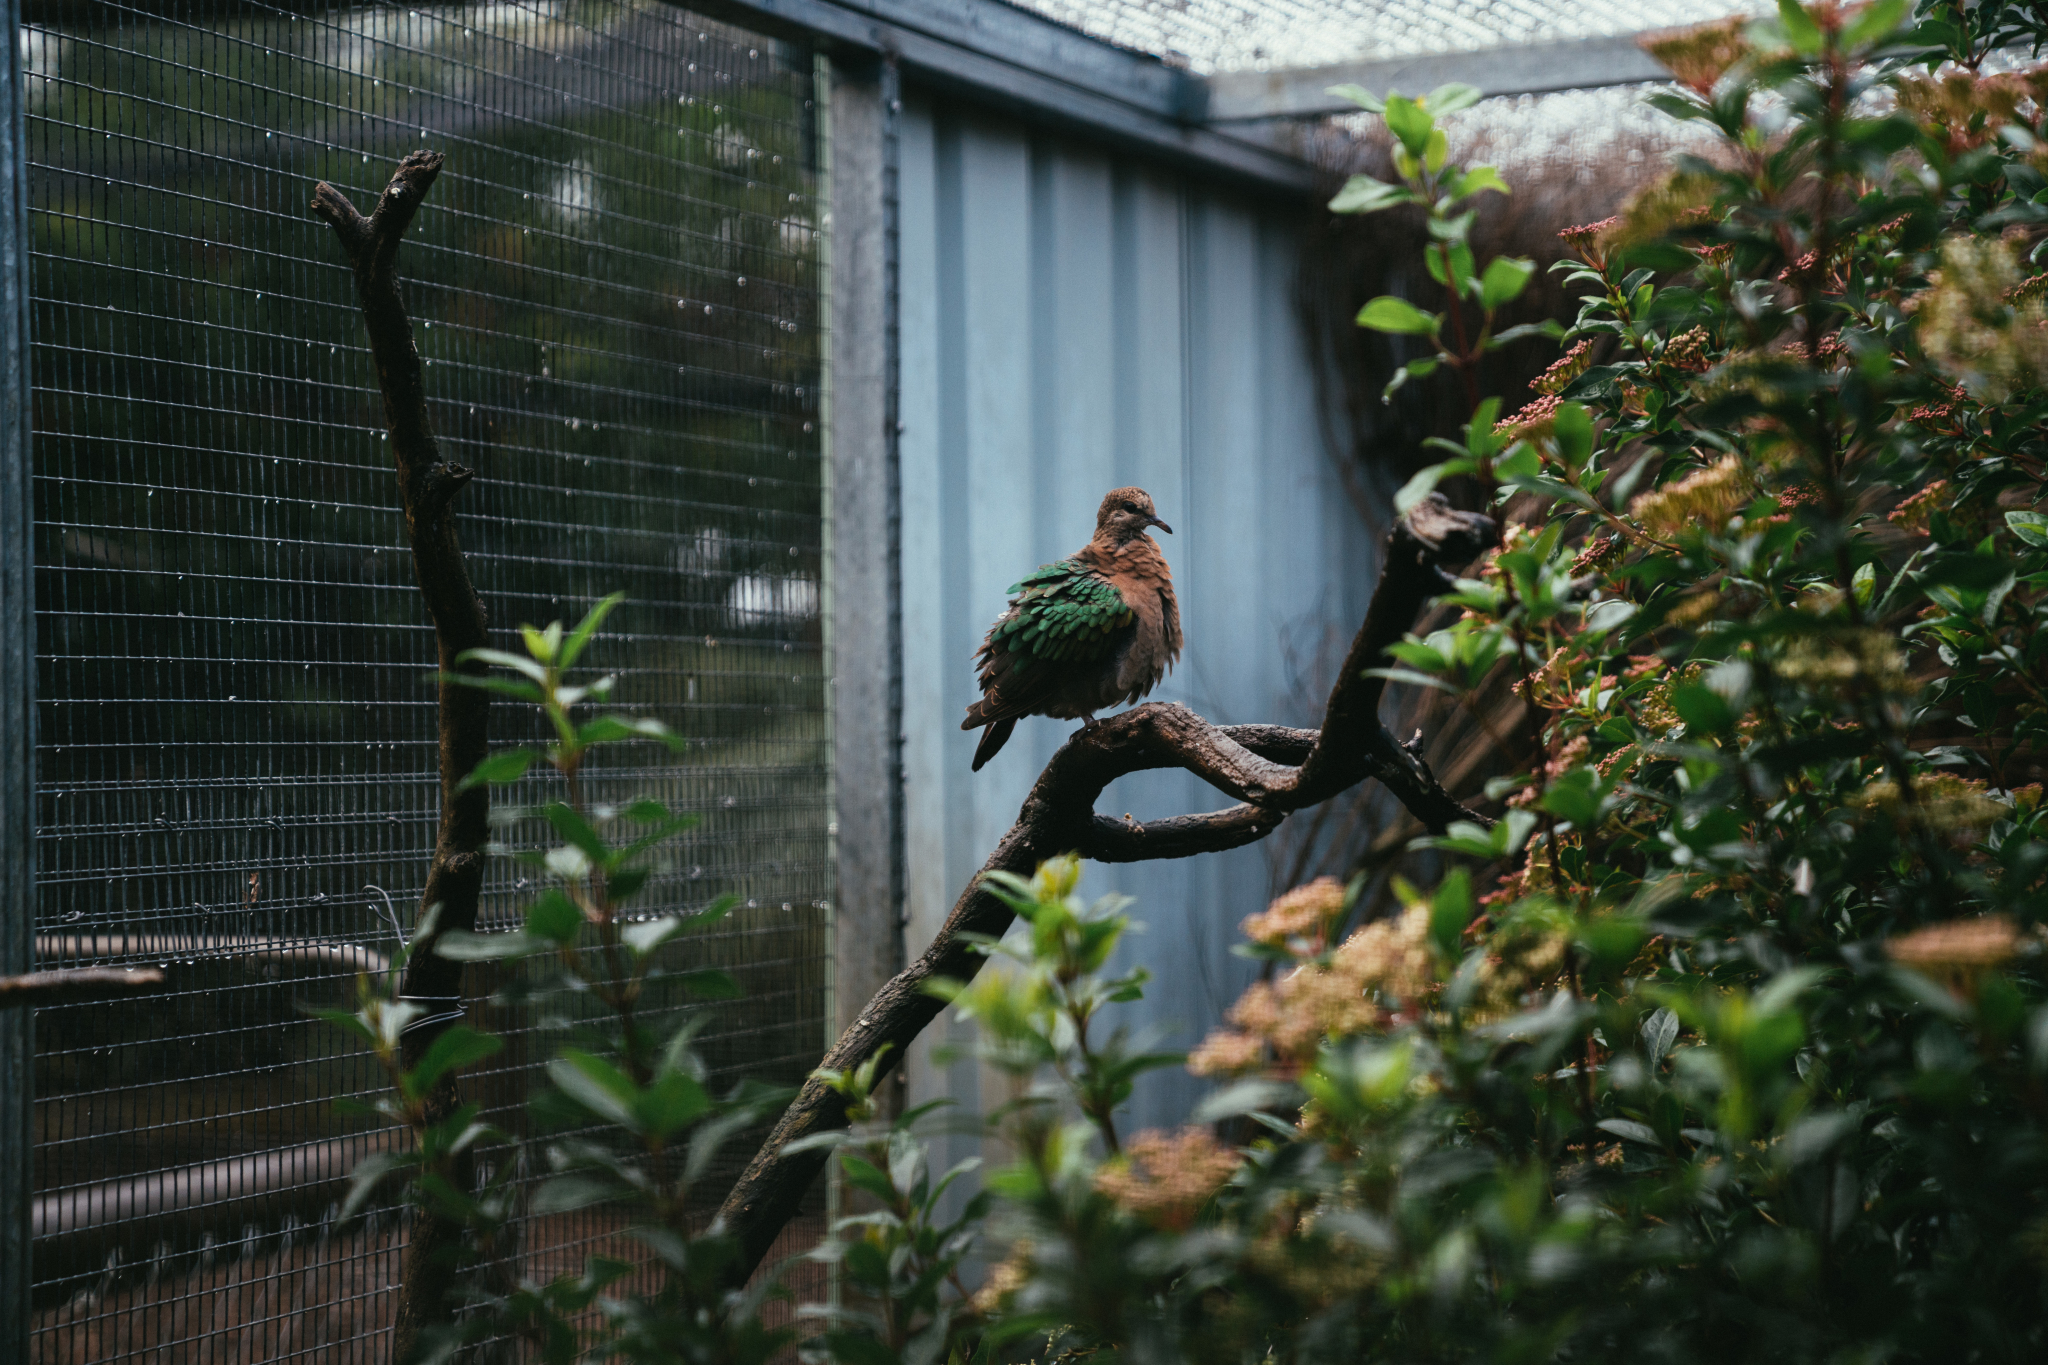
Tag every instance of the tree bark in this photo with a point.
(427, 485)
(1270, 769)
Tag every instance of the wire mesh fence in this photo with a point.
(616, 287)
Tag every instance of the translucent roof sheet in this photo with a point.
(1240, 35)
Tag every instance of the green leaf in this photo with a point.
(1800, 29)
(1504, 280)
(1571, 426)
(347, 1019)
(1363, 194)
(647, 935)
(542, 644)
(597, 1085)
(503, 660)
(587, 627)
(368, 1174)
(1876, 22)
(554, 917)
(609, 729)
(1864, 584)
(509, 766)
(1450, 910)
(711, 984)
(523, 691)
(578, 1190)
(1549, 327)
(1418, 487)
(459, 945)
(1414, 369)
(577, 831)
(864, 1175)
(456, 1046)
(2030, 527)
(1390, 314)
(1704, 711)
(1631, 1130)
(1360, 96)
(1451, 97)
(1519, 465)
(1409, 122)
(1475, 180)
(671, 1104)
(1574, 796)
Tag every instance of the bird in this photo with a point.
(1083, 633)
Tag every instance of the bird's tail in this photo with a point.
(994, 736)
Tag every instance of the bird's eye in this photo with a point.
(1132, 508)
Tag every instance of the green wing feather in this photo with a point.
(1062, 613)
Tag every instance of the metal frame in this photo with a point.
(1233, 123)
(17, 710)
(865, 517)
(1020, 62)
(1526, 69)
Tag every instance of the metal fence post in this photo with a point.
(17, 709)
(865, 517)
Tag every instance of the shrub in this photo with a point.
(1727, 1040)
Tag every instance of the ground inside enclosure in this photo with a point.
(327, 1301)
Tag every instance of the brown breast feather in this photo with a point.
(1139, 573)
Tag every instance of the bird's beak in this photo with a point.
(1154, 521)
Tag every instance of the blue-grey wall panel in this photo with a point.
(1073, 320)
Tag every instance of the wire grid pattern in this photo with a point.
(1262, 35)
(615, 285)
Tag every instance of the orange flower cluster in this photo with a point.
(1565, 369)
(1598, 552)
(1166, 1178)
(1531, 422)
(1699, 56)
(1372, 976)
(1970, 109)
(1706, 497)
(1301, 919)
(1959, 952)
(1590, 240)
(2029, 289)
(1913, 513)
(1687, 350)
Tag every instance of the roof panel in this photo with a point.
(1237, 35)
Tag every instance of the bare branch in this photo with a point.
(1272, 770)
(74, 985)
(427, 484)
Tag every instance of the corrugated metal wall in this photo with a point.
(1073, 320)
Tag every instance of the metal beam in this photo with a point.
(1024, 63)
(863, 582)
(1528, 69)
(17, 709)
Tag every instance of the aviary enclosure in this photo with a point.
(618, 303)
(664, 295)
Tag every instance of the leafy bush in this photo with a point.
(628, 1119)
(1727, 1041)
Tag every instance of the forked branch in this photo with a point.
(427, 484)
(1270, 769)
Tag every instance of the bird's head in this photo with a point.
(1125, 514)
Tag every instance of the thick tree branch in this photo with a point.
(1270, 769)
(427, 484)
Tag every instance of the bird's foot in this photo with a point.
(1088, 722)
